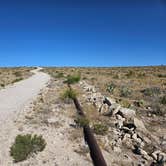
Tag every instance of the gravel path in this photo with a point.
(14, 99)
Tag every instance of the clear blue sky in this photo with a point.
(82, 32)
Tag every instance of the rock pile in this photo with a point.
(129, 130)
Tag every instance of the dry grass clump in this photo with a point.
(12, 75)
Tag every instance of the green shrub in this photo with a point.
(125, 92)
(69, 94)
(17, 80)
(151, 91)
(2, 85)
(82, 121)
(18, 74)
(111, 87)
(139, 103)
(158, 109)
(100, 129)
(59, 75)
(141, 74)
(130, 73)
(163, 100)
(25, 145)
(161, 75)
(72, 79)
(125, 103)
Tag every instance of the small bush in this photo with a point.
(111, 87)
(161, 75)
(151, 91)
(141, 74)
(2, 85)
(139, 103)
(69, 94)
(18, 74)
(130, 74)
(158, 110)
(59, 75)
(163, 100)
(82, 121)
(125, 92)
(100, 129)
(17, 80)
(72, 79)
(25, 145)
(125, 103)
(116, 76)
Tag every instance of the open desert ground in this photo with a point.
(125, 108)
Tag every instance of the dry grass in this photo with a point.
(131, 85)
(12, 75)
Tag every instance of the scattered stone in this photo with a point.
(127, 113)
(108, 101)
(52, 121)
(117, 149)
(139, 125)
(119, 124)
(159, 156)
(113, 109)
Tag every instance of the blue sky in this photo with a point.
(82, 32)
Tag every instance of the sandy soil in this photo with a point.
(13, 100)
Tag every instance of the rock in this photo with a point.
(21, 128)
(127, 142)
(117, 149)
(103, 108)
(127, 113)
(143, 138)
(119, 124)
(139, 125)
(118, 117)
(134, 136)
(159, 156)
(126, 136)
(138, 150)
(108, 101)
(127, 130)
(113, 109)
(51, 120)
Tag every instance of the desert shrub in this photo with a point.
(116, 76)
(139, 103)
(69, 94)
(17, 80)
(100, 129)
(125, 92)
(141, 74)
(84, 78)
(2, 85)
(72, 79)
(130, 73)
(25, 145)
(125, 103)
(161, 75)
(158, 110)
(82, 121)
(151, 91)
(59, 75)
(163, 100)
(111, 87)
(18, 74)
